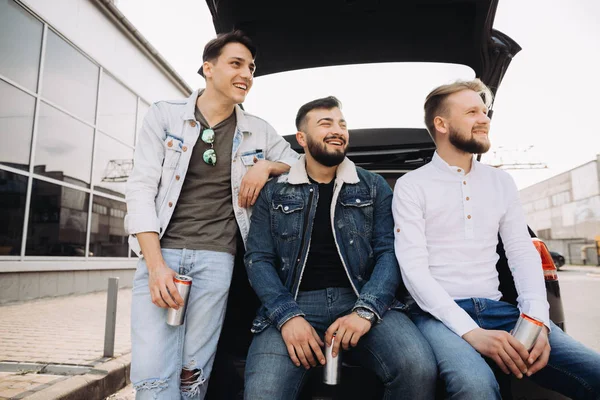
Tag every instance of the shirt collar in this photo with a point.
(443, 166)
(190, 109)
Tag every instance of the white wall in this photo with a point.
(585, 181)
(82, 23)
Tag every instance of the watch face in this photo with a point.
(366, 314)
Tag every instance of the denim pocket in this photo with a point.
(286, 218)
(358, 212)
(173, 147)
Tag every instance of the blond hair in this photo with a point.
(435, 101)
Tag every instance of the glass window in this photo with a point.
(70, 79)
(63, 147)
(16, 125)
(107, 235)
(116, 110)
(20, 44)
(57, 220)
(13, 189)
(112, 164)
(142, 111)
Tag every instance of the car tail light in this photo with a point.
(547, 264)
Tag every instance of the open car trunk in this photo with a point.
(292, 35)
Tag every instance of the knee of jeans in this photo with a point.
(418, 369)
(474, 384)
(154, 385)
(424, 370)
(192, 385)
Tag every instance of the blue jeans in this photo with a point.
(573, 369)
(160, 351)
(393, 349)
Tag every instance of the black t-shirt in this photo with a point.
(324, 268)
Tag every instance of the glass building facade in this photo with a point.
(67, 134)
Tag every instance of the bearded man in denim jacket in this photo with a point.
(199, 166)
(320, 257)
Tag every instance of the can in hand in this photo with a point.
(332, 371)
(527, 330)
(183, 284)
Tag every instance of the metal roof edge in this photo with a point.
(110, 9)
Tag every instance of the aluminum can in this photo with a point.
(332, 371)
(183, 284)
(527, 330)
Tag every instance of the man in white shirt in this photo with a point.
(447, 217)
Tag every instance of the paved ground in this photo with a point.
(580, 292)
(65, 331)
(17, 386)
(127, 393)
(70, 331)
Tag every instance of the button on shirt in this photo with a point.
(447, 225)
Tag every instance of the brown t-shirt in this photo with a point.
(203, 218)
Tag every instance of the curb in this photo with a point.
(99, 383)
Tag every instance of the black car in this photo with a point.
(559, 259)
(291, 35)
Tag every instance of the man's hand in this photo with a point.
(253, 182)
(301, 341)
(347, 330)
(538, 357)
(162, 289)
(502, 347)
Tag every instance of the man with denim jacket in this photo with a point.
(320, 257)
(199, 165)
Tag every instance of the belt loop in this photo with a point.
(330, 296)
(182, 262)
(480, 304)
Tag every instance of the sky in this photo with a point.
(542, 110)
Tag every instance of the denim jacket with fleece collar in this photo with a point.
(280, 233)
(162, 156)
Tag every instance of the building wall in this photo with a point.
(565, 209)
(89, 29)
(73, 92)
(22, 286)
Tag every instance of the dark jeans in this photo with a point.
(573, 369)
(393, 349)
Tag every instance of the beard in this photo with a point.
(319, 152)
(468, 144)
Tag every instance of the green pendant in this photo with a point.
(210, 157)
(208, 136)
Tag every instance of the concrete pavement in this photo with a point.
(53, 348)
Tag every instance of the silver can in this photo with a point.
(332, 371)
(527, 330)
(183, 284)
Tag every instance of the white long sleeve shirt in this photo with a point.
(446, 232)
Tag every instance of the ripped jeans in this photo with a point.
(160, 351)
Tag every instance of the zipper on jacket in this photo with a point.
(333, 204)
(305, 233)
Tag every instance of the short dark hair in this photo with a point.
(214, 48)
(326, 103)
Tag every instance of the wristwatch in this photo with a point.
(366, 314)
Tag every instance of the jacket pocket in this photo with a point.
(173, 147)
(358, 211)
(286, 217)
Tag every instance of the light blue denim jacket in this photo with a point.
(280, 234)
(162, 155)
